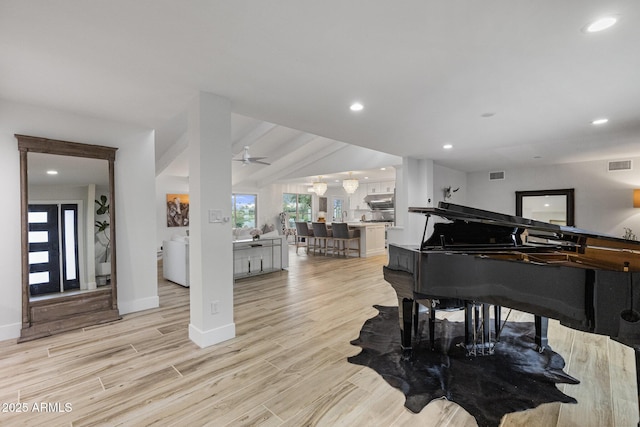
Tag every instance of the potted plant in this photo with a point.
(255, 233)
(102, 227)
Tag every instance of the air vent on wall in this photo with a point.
(496, 175)
(620, 165)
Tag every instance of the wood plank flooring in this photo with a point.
(286, 367)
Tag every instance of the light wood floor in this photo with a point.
(286, 367)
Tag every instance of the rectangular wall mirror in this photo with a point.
(69, 278)
(552, 206)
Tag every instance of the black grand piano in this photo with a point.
(475, 259)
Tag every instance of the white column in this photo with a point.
(414, 188)
(210, 247)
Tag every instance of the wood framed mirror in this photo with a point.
(66, 217)
(552, 206)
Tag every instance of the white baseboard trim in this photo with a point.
(125, 307)
(213, 336)
(10, 331)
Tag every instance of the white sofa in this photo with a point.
(175, 260)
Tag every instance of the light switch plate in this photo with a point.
(215, 215)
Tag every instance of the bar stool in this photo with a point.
(343, 236)
(304, 235)
(321, 237)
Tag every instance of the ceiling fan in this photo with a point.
(247, 159)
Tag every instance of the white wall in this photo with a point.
(444, 177)
(603, 200)
(136, 227)
(415, 187)
(135, 208)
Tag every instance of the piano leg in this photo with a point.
(432, 328)
(486, 327)
(468, 324)
(497, 317)
(476, 322)
(405, 309)
(542, 326)
(416, 317)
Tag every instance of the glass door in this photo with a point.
(338, 210)
(69, 231)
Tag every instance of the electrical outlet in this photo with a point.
(214, 307)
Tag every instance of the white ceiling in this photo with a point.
(426, 71)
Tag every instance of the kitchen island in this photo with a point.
(372, 238)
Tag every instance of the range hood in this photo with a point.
(380, 202)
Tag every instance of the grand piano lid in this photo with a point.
(453, 212)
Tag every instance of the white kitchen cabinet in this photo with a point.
(374, 244)
(387, 186)
(373, 188)
(372, 238)
(356, 200)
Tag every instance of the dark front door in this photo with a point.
(44, 249)
(53, 248)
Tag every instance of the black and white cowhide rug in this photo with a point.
(516, 377)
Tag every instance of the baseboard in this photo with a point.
(138, 305)
(10, 331)
(213, 336)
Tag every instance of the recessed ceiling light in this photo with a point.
(356, 106)
(52, 172)
(366, 177)
(601, 24)
(383, 169)
(599, 121)
(447, 146)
